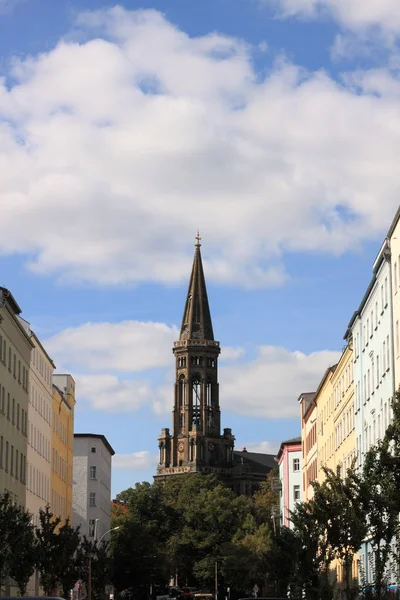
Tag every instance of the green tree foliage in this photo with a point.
(57, 551)
(338, 507)
(24, 554)
(99, 557)
(17, 542)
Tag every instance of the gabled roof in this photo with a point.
(196, 322)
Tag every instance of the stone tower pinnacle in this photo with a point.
(196, 444)
(196, 322)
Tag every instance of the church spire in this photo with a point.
(196, 322)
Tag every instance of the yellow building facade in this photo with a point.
(343, 412)
(62, 446)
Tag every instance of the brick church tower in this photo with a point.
(196, 444)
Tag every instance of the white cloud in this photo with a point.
(266, 386)
(116, 149)
(129, 346)
(110, 393)
(261, 447)
(135, 461)
(354, 14)
(231, 353)
(270, 385)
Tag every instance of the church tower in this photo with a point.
(196, 444)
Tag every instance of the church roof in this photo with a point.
(259, 462)
(196, 322)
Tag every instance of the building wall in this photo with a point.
(325, 428)
(15, 354)
(309, 449)
(290, 475)
(38, 487)
(395, 278)
(63, 444)
(372, 335)
(373, 361)
(344, 439)
(92, 485)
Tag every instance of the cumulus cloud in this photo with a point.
(110, 393)
(115, 149)
(261, 447)
(129, 346)
(231, 353)
(269, 385)
(112, 365)
(354, 14)
(135, 461)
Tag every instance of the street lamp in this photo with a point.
(109, 531)
(90, 556)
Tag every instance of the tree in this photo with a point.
(17, 555)
(24, 556)
(313, 555)
(57, 550)
(338, 507)
(99, 556)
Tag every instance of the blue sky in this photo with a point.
(272, 125)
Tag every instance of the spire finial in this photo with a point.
(198, 238)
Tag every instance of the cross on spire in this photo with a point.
(198, 239)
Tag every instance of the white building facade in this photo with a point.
(92, 484)
(371, 331)
(394, 239)
(290, 475)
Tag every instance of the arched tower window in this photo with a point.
(209, 394)
(196, 400)
(181, 391)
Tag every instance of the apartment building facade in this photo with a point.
(15, 355)
(289, 459)
(38, 485)
(92, 484)
(309, 447)
(62, 458)
(343, 440)
(394, 240)
(371, 333)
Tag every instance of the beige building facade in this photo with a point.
(15, 354)
(324, 399)
(38, 487)
(343, 415)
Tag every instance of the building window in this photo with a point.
(93, 449)
(92, 527)
(296, 464)
(296, 493)
(92, 499)
(92, 473)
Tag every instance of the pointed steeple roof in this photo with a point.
(196, 322)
